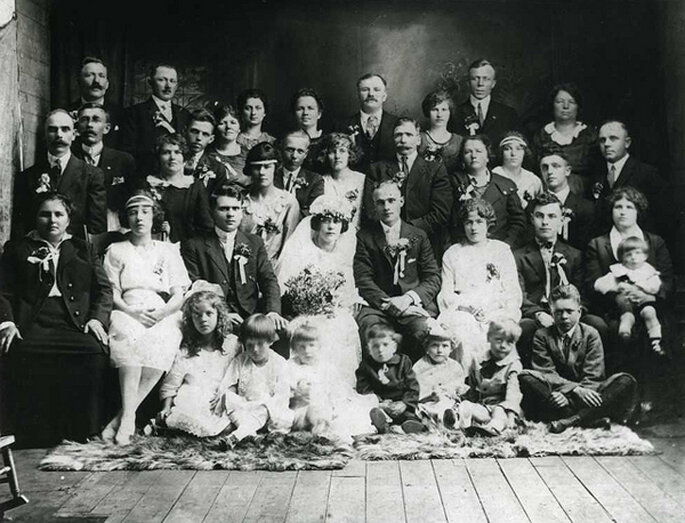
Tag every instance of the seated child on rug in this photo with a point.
(390, 377)
(206, 351)
(441, 379)
(493, 401)
(321, 400)
(255, 390)
(633, 271)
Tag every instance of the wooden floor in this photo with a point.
(583, 489)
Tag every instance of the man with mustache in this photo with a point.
(61, 171)
(118, 167)
(93, 83)
(157, 116)
(372, 127)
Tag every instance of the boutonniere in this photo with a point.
(354, 130)
(465, 191)
(158, 269)
(118, 180)
(527, 197)
(399, 178)
(299, 183)
(158, 117)
(205, 174)
(44, 184)
(41, 257)
(268, 226)
(557, 262)
(492, 272)
(566, 217)
(383, 374)
(74, 115)
(352, 196)
(472, 124)
(597, 190)
(431, 154)
(241, 253)
(398, 252)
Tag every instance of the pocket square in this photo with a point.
(411, 260)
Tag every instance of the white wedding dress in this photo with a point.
(339, 334)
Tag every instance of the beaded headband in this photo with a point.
(140, 199)
(512, 140)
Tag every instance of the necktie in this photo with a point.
(404, 165)
(55, 173)
(612, 176)
(166, 111)
(546, 244)
(481, 117)
(89, 158)
(566, 345)
(371, 127)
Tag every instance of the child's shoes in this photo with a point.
(412, 427)
(379, 419)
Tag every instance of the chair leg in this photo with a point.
(17, 498)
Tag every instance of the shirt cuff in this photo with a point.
(415, 297)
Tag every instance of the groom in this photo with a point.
(395, 272)
(235, 260)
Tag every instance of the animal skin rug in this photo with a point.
(302, 451)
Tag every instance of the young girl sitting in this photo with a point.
(441, 379)
(255, 390)
(632, 272)
(206, 351)
(494, 398)
(319, 396)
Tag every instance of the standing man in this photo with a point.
(480, 114)
(198, 164)
(306, 185)
(157, 116)
(93, 83)
(63, 172)
(372, 127)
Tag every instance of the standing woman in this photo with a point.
(225, 148)
(53, 338)
(513, 149)
(576, 139)
(183, 198)
(253, 106)
(269, 212)
(307, 106)
(148, 279)
(437, 140)
(337, 151)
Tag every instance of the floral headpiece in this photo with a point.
(331, 207)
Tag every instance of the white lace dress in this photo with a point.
(350, 188)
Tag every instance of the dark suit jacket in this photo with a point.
(79, 181)
(117, 116)
(374, 269)
(309, 190)
(501, 193)
(382, 147)
(427, 196)
(119, 169)
(208, 164)
(402, 384)
(532, 276)
(499, 120)
(205, 260)
(599, 257)
(139, 132)
(86, 290)
(585, 363)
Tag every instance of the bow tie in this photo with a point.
(548, 245)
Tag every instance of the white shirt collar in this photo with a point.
(563, 194)
(619, 165)
(364, 117)
(392, 229)
(290, 173)
(224, 236)
(472, 179)
(568, 334)
(411, 158)
(63, 160)
(100, 101)
(162, 104)
(615, 237)
(93, 150)
(484, 103)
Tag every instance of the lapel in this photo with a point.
(571, 201)
(577, 348)
(278, 178)
(626, 173)
(415, 175)
(492, 192)
(216, 254)
(381, 242)
(67, 254)
(605, 250)
(556, 346)
(534, 259)
(106, 163)
(70, 175)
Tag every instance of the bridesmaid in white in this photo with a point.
(513, 149)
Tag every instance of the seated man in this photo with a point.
(395, 272)
(542, 264)
(306, 185)
(567, 384)
(235, 260)
(199, 134)
(424, 185)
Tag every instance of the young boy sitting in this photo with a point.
(493, 402)
(441, 379)
(567, 384)
(390, 377)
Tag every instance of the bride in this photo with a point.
(323, 242)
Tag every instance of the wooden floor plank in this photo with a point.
(672, 452)
(42, 506)
(346, 501)
(577, 502)
(605, 489)
(384, 492)
(310, 496)
(272, 498)
(355, 468)
(32, 479)
(499, 501)
(234, 498)
(537, 500)
(654, 500)
(121, 500)
(667, 479)
(198, 496)
(93, 491)
(422, 503)
(459, 498)
(160, 497)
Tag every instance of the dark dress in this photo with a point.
(54, 378)
(234, 165)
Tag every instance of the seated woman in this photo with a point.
(339, 181)
(53, 332)
(322, 242)
(253, 106)
(307, 106)
(478, 182)
(148, 278)
(183, 199)
(269, 212)
(627, 204)
(479, 282)
(513, 149)
(225, 148)
(437, 140)
(565, 131)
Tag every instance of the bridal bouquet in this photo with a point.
(313, 292)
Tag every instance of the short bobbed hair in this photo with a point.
(258, 327)
(632, 195)
(434, 99)
(304, 332)
(527, 153)
(506, 327)
(332, 141)
(381, 330)
(632, 243)
(262, 152)
(482, 208)
(157, 211)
